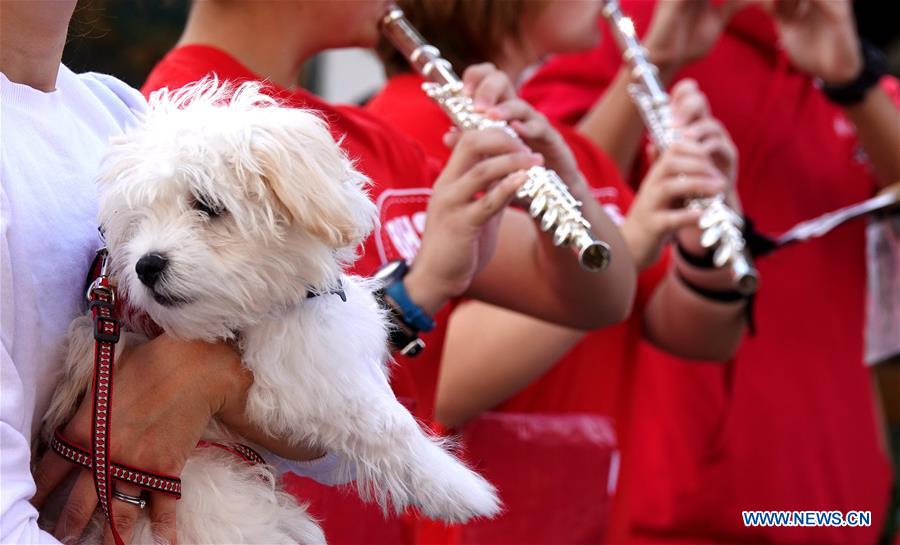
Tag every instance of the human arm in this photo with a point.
(680, 32)
(689, 325)
(478, 371)
(677, 318)
(819, 36)
(18, 517)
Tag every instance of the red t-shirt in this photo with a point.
(595, 378)
(402, 176)
(790, 426)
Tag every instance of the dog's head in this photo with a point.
(222, 206)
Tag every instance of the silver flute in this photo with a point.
(720, 225)
(546, 195)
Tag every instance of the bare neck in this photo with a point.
(513, 59)
(32, 37)
(271, 44)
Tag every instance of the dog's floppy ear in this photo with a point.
(311, 177)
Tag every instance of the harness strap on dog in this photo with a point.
(107, 329)
(241, 451)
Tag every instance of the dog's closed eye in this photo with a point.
(206, 205)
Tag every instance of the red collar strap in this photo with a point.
(102, 301)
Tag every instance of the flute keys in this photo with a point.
(529, 189)
(708, 219)
(711, 236)
(537, 206)
(549, 219)
(561, 235)
(723, 254)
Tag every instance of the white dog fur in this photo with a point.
(292, 213)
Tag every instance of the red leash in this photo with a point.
(107, 329)
(101, 299)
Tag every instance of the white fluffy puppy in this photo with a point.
(222, 213)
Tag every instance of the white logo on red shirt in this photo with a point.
(402, 214)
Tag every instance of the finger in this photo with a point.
(473, 75)
(78, 510)
(162, 518)
(451, 137)
(498, 197)
(473, 146)
(683, 187)
(704, 128)
(512, 109)
(123, 514)
(670, 221)
(684, 148)
(652, 152)
(50, 472)
(690, 165)
(491, 90)
(489, 171)
(689, 106)
(534, 130)
(786, 9)
(720, 148)
(683, 88)
(730, 8)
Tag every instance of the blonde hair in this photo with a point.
(466, 31)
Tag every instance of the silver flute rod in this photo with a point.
(720, 224)
(548, 198)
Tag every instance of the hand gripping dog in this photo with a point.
(106, 332)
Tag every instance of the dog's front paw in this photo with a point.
(452, 492)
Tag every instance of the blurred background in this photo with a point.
(127, 37)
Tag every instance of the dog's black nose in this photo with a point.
(149, 267)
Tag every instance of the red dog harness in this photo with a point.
(107, 328)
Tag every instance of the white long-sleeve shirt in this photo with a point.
(50, 150)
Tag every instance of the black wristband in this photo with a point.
(704, 261)
(729, 296)
(853, 92)
(403, 337)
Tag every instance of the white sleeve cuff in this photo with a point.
(331, 469)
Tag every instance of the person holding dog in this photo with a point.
(56, 125)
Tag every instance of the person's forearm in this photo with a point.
(877, 123)
(528, 274)
(478, 371)
(615, 286)
(688, 325)
(614, 125)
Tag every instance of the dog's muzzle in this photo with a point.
(150, 267)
